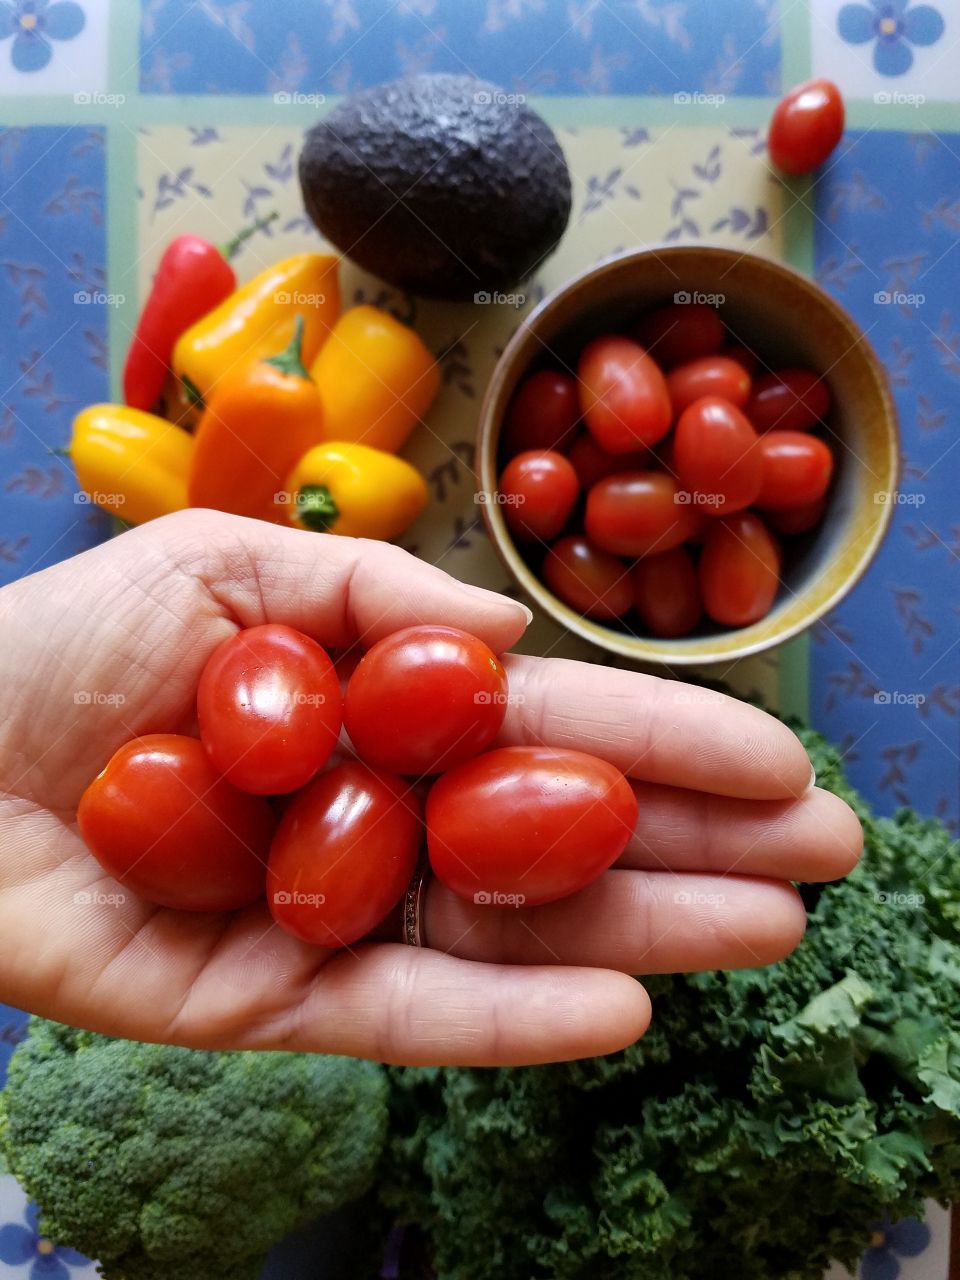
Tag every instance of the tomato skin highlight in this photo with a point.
(268, 704)
(637, 513)
(424, 699)
(708, 376)
(539, 490)
(587, 579)
(591, 463)
(536, 822)
(795, 520)
(797, 469)
(543, 413)
(161, 820)
(788, 400)
(679, 331)
(806, 126)
(739, 570)
(623, 395)
(343, 855)
(716, 456)
(666, 594)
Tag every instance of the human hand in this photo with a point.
(727, 818)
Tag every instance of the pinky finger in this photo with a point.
(422, 1008)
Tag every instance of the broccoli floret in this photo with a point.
(162, 1162)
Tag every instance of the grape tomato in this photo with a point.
(624, 395)
(526, 825)
(424, 699)
(268, 705)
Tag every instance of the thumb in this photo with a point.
(337, 589)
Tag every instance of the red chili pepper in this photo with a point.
(192, 278)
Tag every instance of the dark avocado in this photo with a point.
(441, 184)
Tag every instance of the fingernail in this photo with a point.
(813, 779)
(494, 597)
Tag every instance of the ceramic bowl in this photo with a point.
(787, 320)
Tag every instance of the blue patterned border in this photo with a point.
(884, 666)
(540, 46)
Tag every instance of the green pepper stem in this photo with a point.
(230, 247)
(291, 360)
(316, 508)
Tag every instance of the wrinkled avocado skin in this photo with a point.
(435, 185)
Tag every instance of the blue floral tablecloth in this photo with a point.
(124, 122)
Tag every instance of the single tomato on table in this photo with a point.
(593, 582)
(806, 126)
(797, 468)
(424, 699)
(679, 331)
(162, 821)
(666, 593)
(343, 855)
(708, 376)
(542, 414)
(788, 400)
(538, 490)
(268, 705)
(526, 825)
(739, 570)
(639, 513)
(623, 394)
(716, 456)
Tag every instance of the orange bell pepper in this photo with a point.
(376, 379)
(261, 419)
(258, 319)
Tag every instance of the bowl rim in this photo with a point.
(640, 648)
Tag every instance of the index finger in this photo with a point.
(656, 730)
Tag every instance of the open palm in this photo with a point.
(111, 645)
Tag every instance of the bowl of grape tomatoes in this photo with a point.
(687, 454)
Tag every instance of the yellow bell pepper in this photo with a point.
(347, 488)
(131, 463)
(376, 379)
(258, 320)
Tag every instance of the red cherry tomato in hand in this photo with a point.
(806, 126)
(591, 463)
(542, 414)
(679, 331)
(666, 593)
(639, 513)
(716, 456)
(739, 570)
(162, 821)
(268, 704)
(587, 579)
(794, 520)
(796, 470)
(708, 376)
(527, 824)
(788, 400)
(424, 699)
(623, 394)
(343, 855)
(538, 490)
